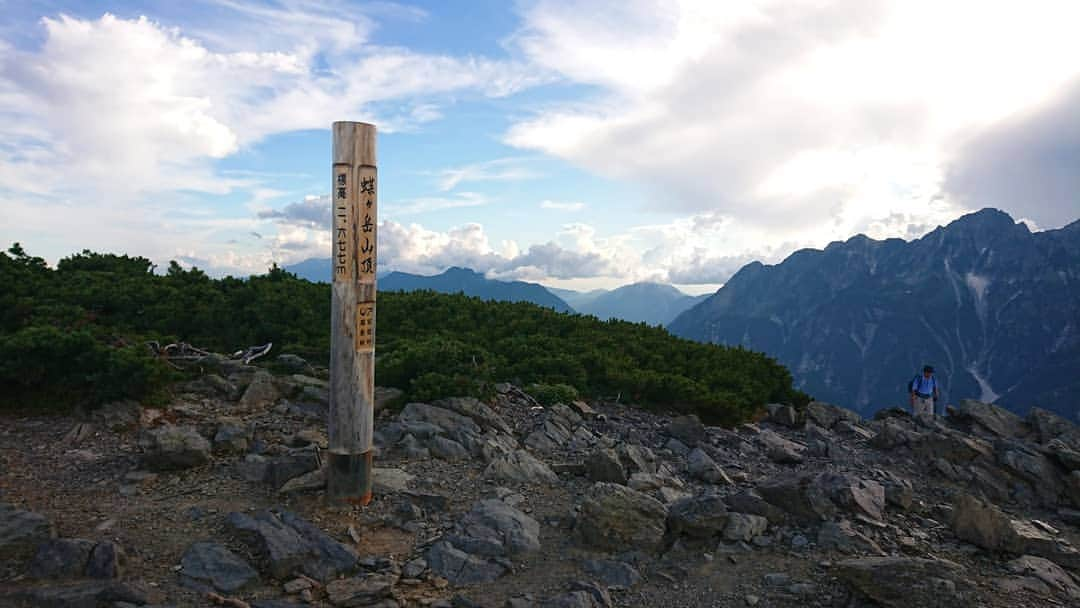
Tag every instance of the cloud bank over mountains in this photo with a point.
(751, 129)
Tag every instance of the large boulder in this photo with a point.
(985, 525)
(289, 543)
(1047, 573)
(452, 423)
(260, 394)
(698, 516)
(702, 467)
(520, 467)
(827, 415)
(990, 419)
(857, 495)
(477, 411)
(779, 449)
(493, 528)
(174, 447)
(799, 495)
(687, 429)
(61, 558)
(616, 518)
(901, 582)
(212, 564)
(461, 568)
(744, 526)
(1048, 425)
(1033, 467)
(22, 531)
(603, 465)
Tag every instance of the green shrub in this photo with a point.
(550, 394)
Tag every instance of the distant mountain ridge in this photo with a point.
(995, 307)
(472, 283)
(652, 303)
(453, 280)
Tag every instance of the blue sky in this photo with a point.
(579, 144)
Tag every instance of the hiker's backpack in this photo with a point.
(911, 385)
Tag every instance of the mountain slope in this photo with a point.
(651, 303)
(994, 307)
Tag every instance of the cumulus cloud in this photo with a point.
(785, 115)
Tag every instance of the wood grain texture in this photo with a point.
(352, 323)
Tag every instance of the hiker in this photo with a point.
(924, 394)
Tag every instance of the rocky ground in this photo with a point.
(218, 498)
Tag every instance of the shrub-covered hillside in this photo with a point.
(75, 335)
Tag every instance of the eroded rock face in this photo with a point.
(698, 516)
(614, 517)
(901, 582)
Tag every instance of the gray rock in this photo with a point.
(827, 415)
(231, 438)
(390, 480)
(106, 560)
(985, 525)
(677, 447)
(447, 449)
(784, 415)
(698, 516)
(494, 528)
(1048, 572)
(118, 416)
(294, 364)
(636, 458)
(750, 501)
(614, 517)
(461, 568)
(289, 543)
(476, 410)
(687, 429)
(612, 573)
(799, 496)
(744, 526)
(261, 394)
(1064, 454)
(82, 594)
(781, 450)
(208, 563)
(522, 467)
(61, 558)
(842, 536)
(452, 423)
(360, 590)
(1034, 467)
(854, 494)
(573, 599)
(1048, 425)
(290, 465)
(901, 582)
(174, 447)
(603, 465)
(549, 437)
(990, 418)
(22, 531)
(701, 466)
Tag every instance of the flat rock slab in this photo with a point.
(290, 544)
(901, 582)
(212, 563)
(360, 590)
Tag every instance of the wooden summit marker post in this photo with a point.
(354, 201)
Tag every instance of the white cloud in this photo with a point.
(814, 116)
(501, 169)
(561, 206)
